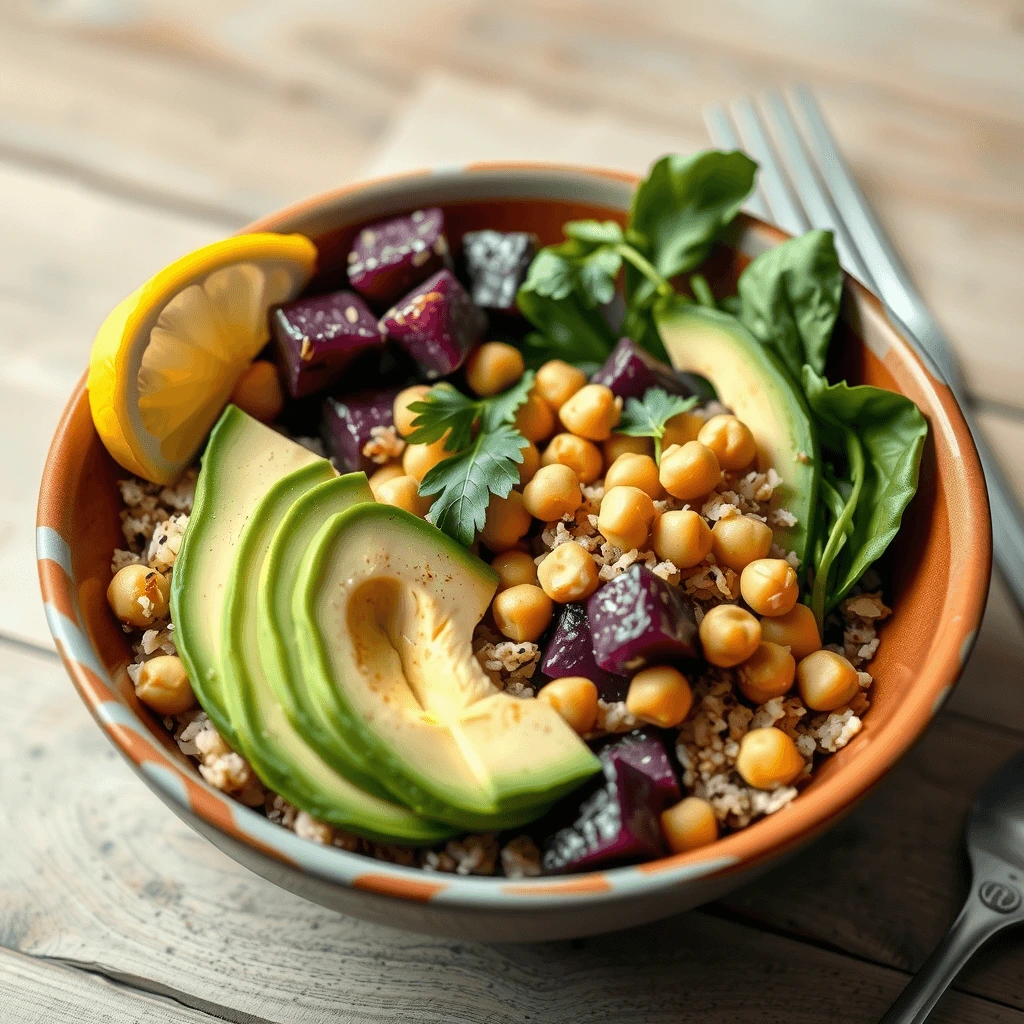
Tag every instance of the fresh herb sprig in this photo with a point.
(487, 452)
(677, 213)
(649, 416)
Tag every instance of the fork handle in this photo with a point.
(972, 929)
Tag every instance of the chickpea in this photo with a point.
(731, 440)
(558, 381)
(680, 429)
(826, 680)
(689, 471)
(689, 824)
(591, 413)
(770, 586)
(138, 595)
(552, 493)
(634, 471)
(391, 471)
(258, 391)
(522, 613)
(574, 698)
(581, 456)
(494, 367)
(401, 414)
(682, 538)
(729, 634)
(797, 630)
(626, 517)
(404, 492)
(419, 459)
(660, 695)
(739, 540)
(530, 464)
(514, 568)
(164, 686)
(623, 444)
(767, 673)
(569, 573)
(506, 522)
(534, 418)
(768, 758)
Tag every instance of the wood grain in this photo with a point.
(33, 991)
(94, 871)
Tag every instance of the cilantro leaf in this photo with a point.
(585, 264)
(465, 482)
(647, 417)
(443, 408)
(501, 408)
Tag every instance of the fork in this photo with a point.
(805, 183)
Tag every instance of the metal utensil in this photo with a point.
(810, 185)
(995, 844)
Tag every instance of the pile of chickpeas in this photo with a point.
(772, 643)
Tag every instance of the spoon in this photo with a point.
(995, 844)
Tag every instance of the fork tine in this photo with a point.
(786, 211)
(724, 136)
(818, 204)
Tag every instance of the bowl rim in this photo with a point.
(765, 840)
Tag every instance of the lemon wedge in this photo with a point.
(165, 360)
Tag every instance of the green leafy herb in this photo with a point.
(484, 465)
(874, 439)
(566, 329)
(648, 417)
(790, 299)
(444, 408)
(680, 209)
(465, 482)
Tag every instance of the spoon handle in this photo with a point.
(976, 924)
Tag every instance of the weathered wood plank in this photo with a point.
(34, 991)
(95, 871)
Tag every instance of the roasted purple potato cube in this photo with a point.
(496, 264)
(638, 619)
(389, 257)
(570, 652)
(644, 750)
(615, 822)
(316, 338)
(358, 430)
(629, 371)
(436, 324)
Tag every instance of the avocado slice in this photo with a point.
(243, 459)
(384, 607)
(751, 381)
(278, 644)
(278, 753)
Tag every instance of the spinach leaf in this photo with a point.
(566, 329)
(679, 210)
(790, 299)
(878, 437)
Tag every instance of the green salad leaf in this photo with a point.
(874, 439)
(465, 482)
(648, 416)
(789, 299)
(566, 329)
(483, 464)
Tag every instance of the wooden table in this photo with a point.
(132, 132)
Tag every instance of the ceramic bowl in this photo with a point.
(940, 569)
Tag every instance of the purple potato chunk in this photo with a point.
(436, 324)
(638, 619)
(389, 257)
(644, 750)
(347, 426)
(615, 822)
(316, 338)
(570, 652)
(629, 371)
(496, 264)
